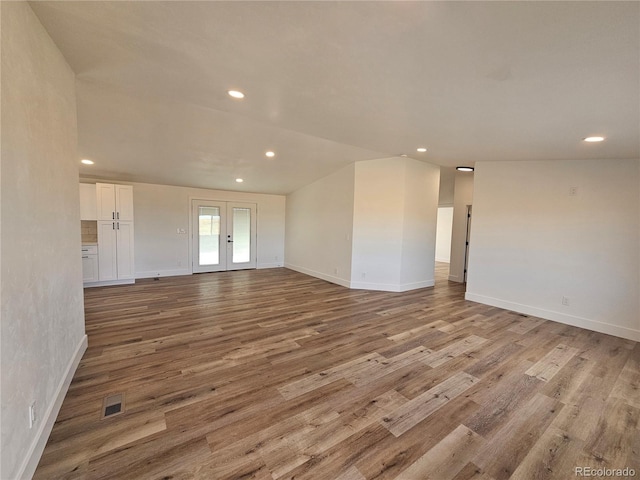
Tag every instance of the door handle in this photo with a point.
(229, 241)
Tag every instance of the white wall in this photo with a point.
(394, 224)
(370, 225)
(421, 188)
(160, 210)
(463, 196)
(378, 223)
(447, 186)
(444, 226)
(532, 243)
(319, 225)
(43, 335)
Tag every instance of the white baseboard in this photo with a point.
(323, 276)
(455, 278)
(164, 273)
(594, 325)
(443, 259)
(270, 265)
(362, 285)
(28, 467)
(109, 283)
(390, 287)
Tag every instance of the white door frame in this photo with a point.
(226, 240)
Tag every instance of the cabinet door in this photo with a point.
(124, 235)
(89, 268)
(124, 203)
(106, 201)
(107, 258)
(88, 207)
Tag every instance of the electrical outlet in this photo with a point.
(335, 271)
(276, 258)
(573, 191)
(364, 275)
(565, 301)
(32, 415)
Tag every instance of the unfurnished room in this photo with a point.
(322, 240)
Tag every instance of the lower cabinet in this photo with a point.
(115, 250)
(90, 263)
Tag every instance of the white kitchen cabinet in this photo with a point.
(124, 249)
(115, 250)
(107, 253)
(124, 203)
(88, 205)
(114, 202)
(90, 263)
(115, 232)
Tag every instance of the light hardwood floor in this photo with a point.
(271, 374)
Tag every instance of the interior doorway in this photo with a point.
(223, 236)
(466, 245)
(444, 228)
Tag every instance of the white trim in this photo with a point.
(392, 287)
(270, 265)
(164, 273)
(455, 278)
(322, 276)
(384, 287)
(28, 467)
(108, 283)
(594, 325)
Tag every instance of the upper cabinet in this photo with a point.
(124, 203)
(88, 209)
(114, 202)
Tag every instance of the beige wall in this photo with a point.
(42, 302)
(370, 225)
(394, 224)
(533, 243)
(319, 225)
(160, 210)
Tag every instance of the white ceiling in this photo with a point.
(330, 83)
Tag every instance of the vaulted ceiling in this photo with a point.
(330, 83)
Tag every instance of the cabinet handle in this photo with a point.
(118, 216)
(118, 225)
(113, 226)
(113, 215)
(85, 256)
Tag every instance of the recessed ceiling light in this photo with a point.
(422, 149)
(236, 93)
(403, 154)
(239, 180)
(593, 139)
(464, 169)
(270, 154)
(86, 161)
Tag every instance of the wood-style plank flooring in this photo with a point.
(271, 374)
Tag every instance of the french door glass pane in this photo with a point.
(209, 235)
(241, 235)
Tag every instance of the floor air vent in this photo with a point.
(113, 405)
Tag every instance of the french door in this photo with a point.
(223, 235)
